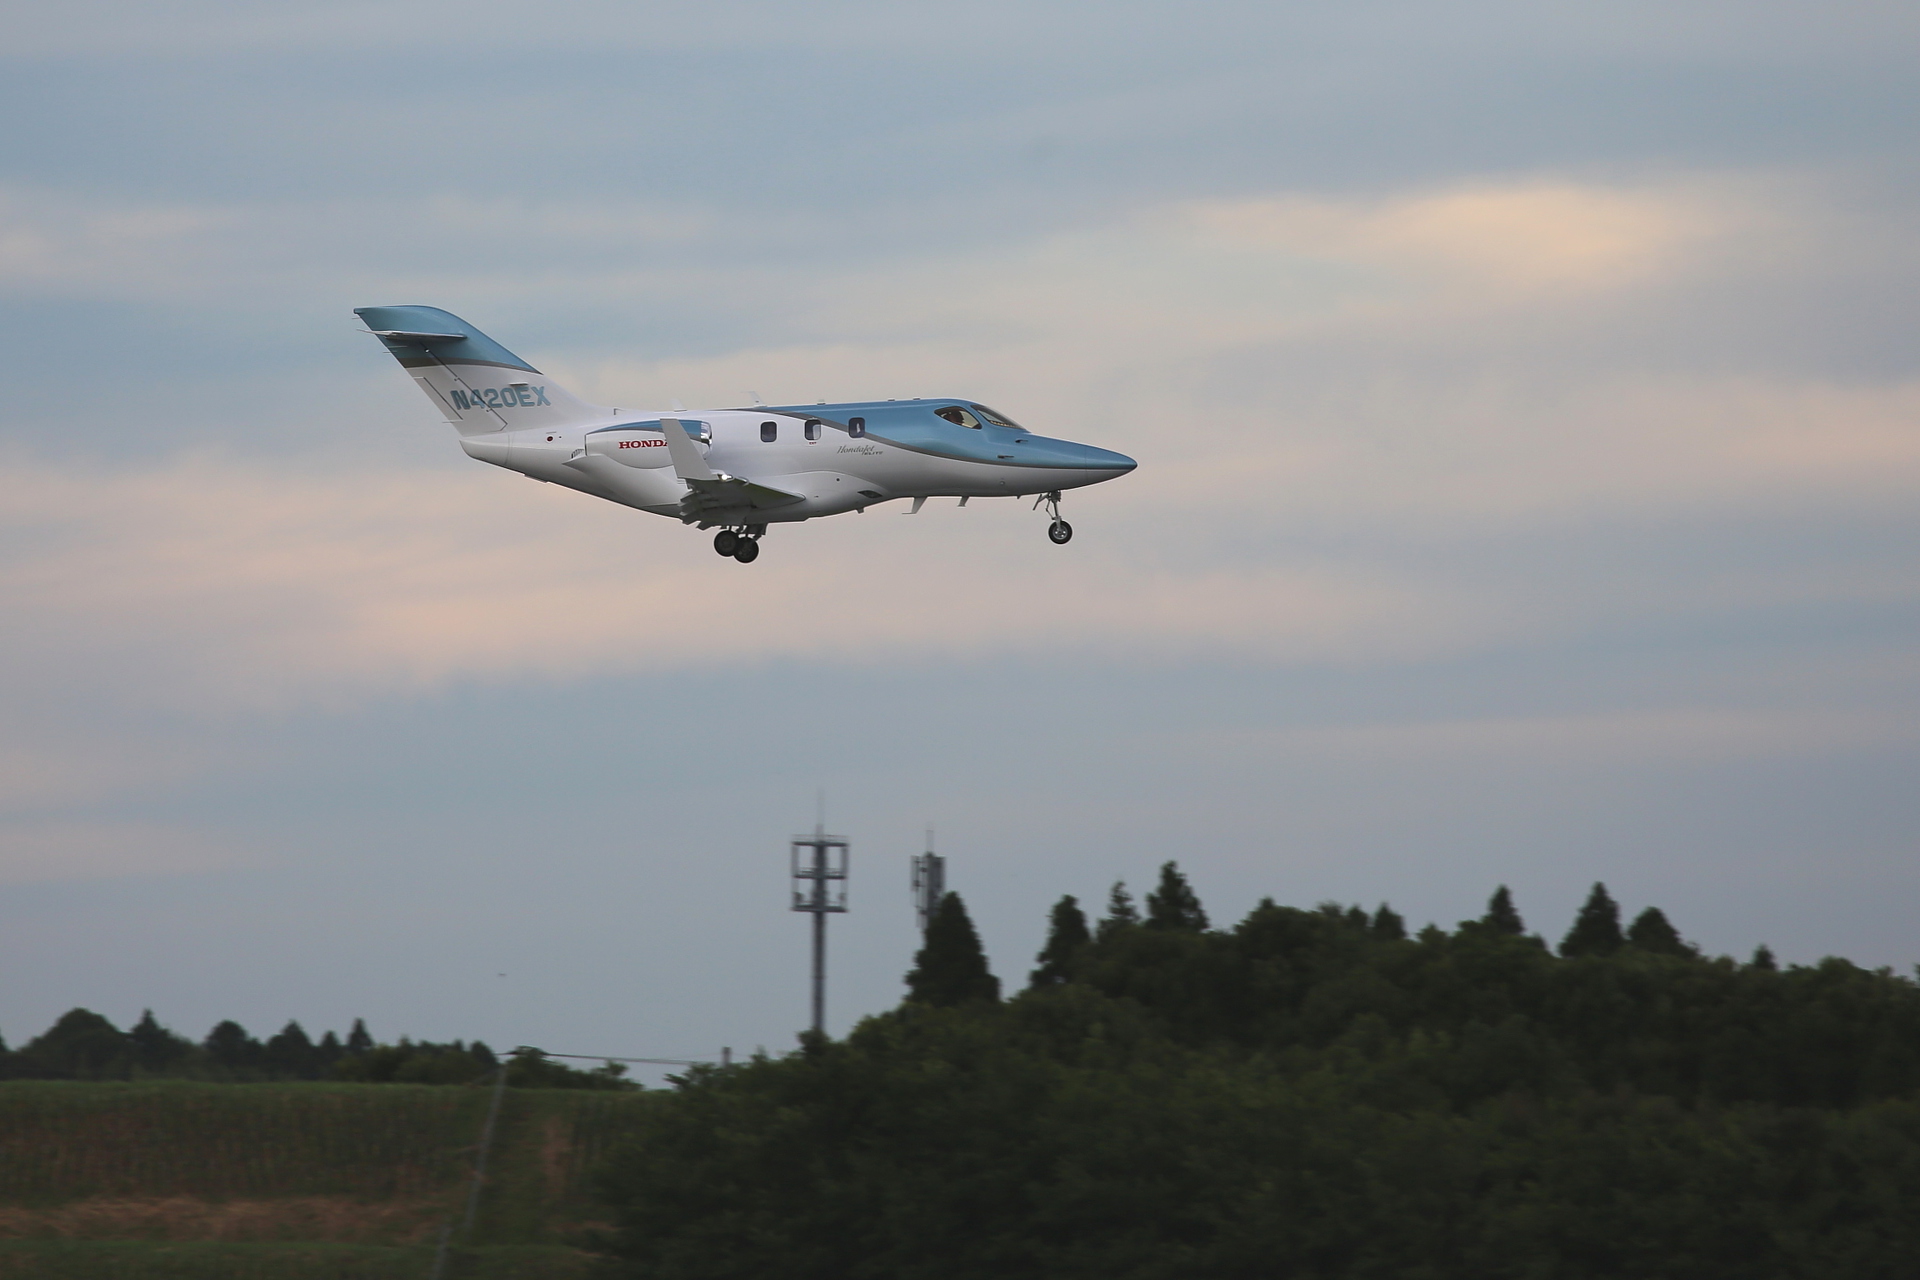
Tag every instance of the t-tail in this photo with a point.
(479, 385)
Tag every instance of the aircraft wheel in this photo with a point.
(726, 542)
(748, 551)
(1061, 532)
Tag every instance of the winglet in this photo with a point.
(687, 462)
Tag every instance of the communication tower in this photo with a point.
(819, 865)
(929, 883)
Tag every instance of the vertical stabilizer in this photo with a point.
(477, 384)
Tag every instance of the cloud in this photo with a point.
(1654, 737)
(1523, 238)
(1300, 500)
(79, 849)
(225, 580)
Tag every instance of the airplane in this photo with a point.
(737, 470)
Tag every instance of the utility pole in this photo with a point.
(929, 883)
(819, 887)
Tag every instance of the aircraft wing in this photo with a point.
(708, 493)
(729, 493)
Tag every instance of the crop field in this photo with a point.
(180, 1178)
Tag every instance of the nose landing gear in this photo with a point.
(1059, 532)
(741, 544)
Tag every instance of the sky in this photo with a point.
(1527, 406)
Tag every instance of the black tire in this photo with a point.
(748, 551)
(1061, 532)
(726, 542)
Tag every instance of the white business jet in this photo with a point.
(737, 470)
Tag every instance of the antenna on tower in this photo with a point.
(819, 888)
(929, 883)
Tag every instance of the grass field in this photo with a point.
(179, 1178)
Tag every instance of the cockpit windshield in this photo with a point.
(957, 416)
(997, 419)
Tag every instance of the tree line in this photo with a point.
(83, 1045)
(1308, 1093)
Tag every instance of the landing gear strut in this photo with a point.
(743, 544)
(1059, 532)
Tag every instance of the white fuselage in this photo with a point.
(623, 458)
(740, 467)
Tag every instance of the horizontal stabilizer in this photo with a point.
(402, 335)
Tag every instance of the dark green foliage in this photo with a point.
(1651, 931)
(1763, 958)
(290, 1054)
(156, 1050)
(1174, 905)
(530, 1069)
(1387, 924)
(82, 1045)
(950, 967)
(358, 1040)
(1596, 930)
(1307, 1095)
(1067, 936)
(1121, 913)
(1502, 916)
(229, 1045)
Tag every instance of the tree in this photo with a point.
(1388, 925)
(1121, 913)
(1066, 935)
(951, 968)
(1173, 905)
(291, 1053)
(358, 1041)
(1502, 916)
(81, 1045)
(229, 1045)
(1596, 930)
(154, 1047)
(1651, 931)
(327, 1052)
(1763, 959)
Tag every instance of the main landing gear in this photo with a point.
(743, 544)
(1060, 533)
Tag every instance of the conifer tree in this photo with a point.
(1596, 930)
(328, 1052)
(291, 1053)
(1502, 916)
(1174, 905)
(358, 1041)
(1066, 935)
(1651, 931)
(951, 968)
(1388, 925)
(1763, 959)
(1121, 913)
(154, 1047)
(229, 1045)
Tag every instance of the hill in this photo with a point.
(1312, 1094)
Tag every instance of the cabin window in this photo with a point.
(812, 430)
(959, 417)
(856, 427)
(997, 419)
(769, 432)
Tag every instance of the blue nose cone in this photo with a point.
(1102, 459)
